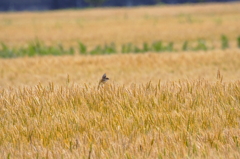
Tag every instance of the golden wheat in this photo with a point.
(123, 25)
(121, 69)
(155, 105)
(181, 119)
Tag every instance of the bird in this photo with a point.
(103, 80)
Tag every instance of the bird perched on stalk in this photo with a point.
(103, 80)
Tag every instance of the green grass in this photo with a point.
(38, 48)
(238, 42)
(35, 48)
(82, 48)
(127, 48)
(185, 46)
(201, 45)
(225, 43)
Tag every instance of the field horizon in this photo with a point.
(169, 23)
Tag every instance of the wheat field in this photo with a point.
(179, 105)
(155, 105)
(184, 119)
(123, 25)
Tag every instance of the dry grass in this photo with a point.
(185, 112)
(122, 69)
(122, 25)
(185, 119)
(168, 105)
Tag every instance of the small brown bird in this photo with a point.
(103, 80)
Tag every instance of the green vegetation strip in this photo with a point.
(38, 48)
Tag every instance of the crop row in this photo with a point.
(38, 48)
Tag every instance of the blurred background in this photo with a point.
(156, 40)
(16, 5)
